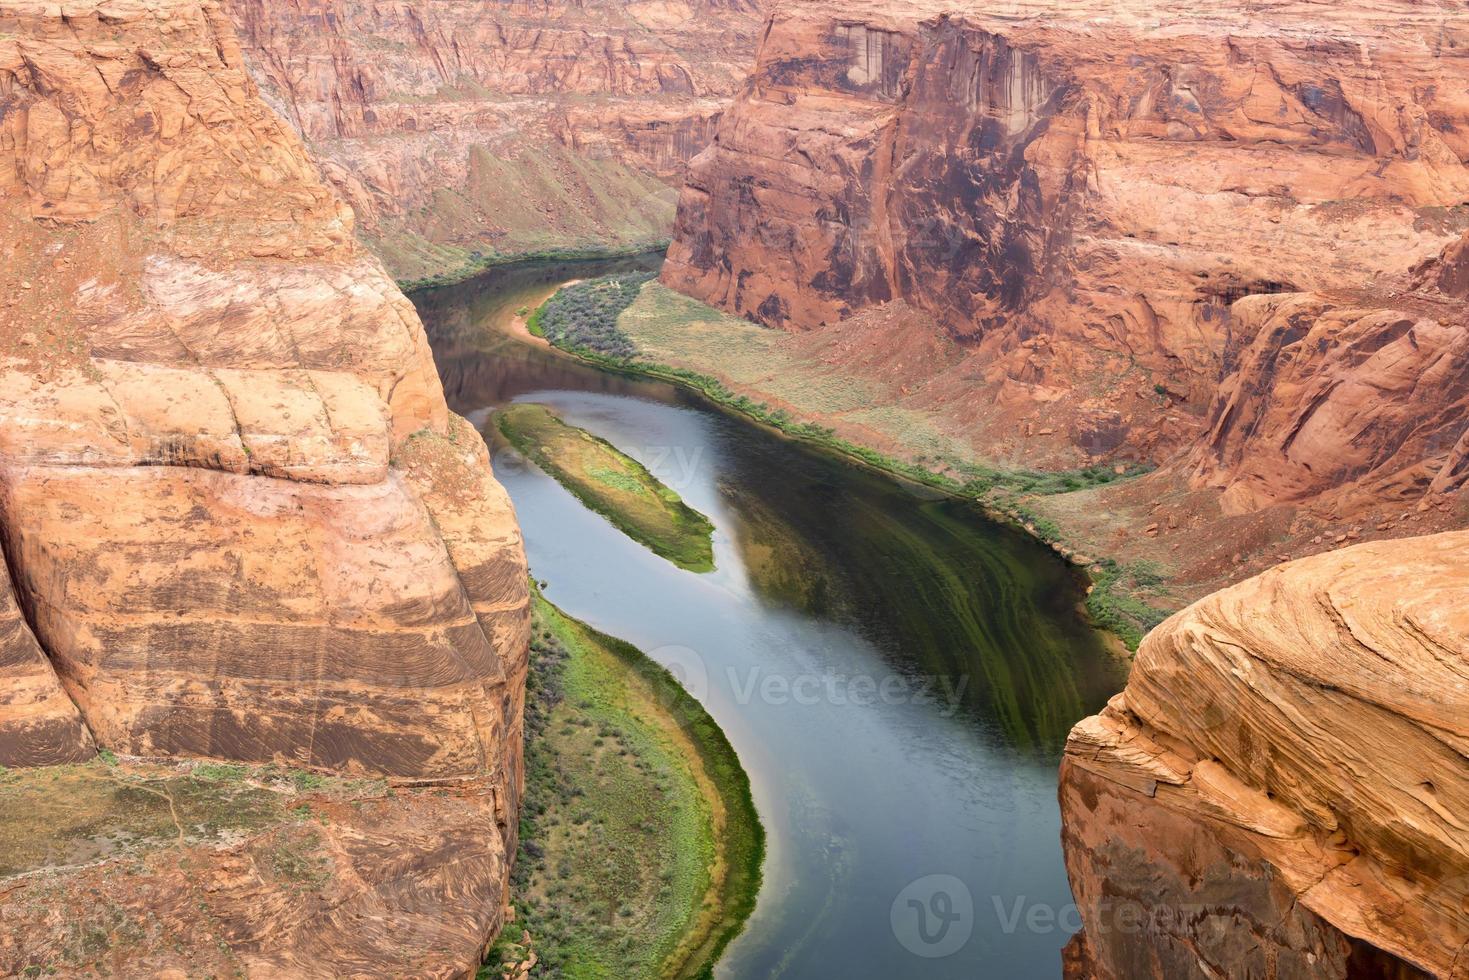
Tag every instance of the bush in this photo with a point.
(583, 317)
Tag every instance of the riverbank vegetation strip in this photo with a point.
(641, 850)
(590, 319)
(613, 484)
(476, 263)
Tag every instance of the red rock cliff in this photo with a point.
(238, 517)
(1084, 192)
(1280, 790)
(1226, 238)
(504, 126)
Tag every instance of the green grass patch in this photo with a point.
(217, 772)
(1115, 603)
(533, 322)
(659, 325)
(987, 481)
(640, 847)
(613, 484)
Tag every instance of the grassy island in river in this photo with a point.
(640, 845)
(613, 484)
(630, 323)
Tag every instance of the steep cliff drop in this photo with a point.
(1280, 790)
(239, 521)
(1227, 240)
(1222, 239)
(460, 130)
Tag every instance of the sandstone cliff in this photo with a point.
(506, 126)
(1280, 790)
(1223, 238)
(238, 517)
(1227, 239)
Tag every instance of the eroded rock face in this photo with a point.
(240, 520)
(503, 126)
(1341, 405)
(1279, 790)
(39, 725)
(1082, 193)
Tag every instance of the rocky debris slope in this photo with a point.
(1280, 790)
(223, 870)
(502, 127)
(239, 518)
(1084, 193)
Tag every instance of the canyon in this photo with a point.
(458, 131)
(1227, 244)
(1225, 241)
(238, 519)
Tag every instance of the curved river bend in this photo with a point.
(896, 672)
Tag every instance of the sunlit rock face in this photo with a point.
(504, 126)
(1278, 791)
(1115, 207)
(39, 725)
(239, 521)
(1228, 239)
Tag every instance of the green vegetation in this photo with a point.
(986, 481)
(213, 772)
(640, 847)
(583, 317)
(638, 335)
(306, 781)
(614, 485)
(1113, 603)
(473, 263)
(533, 323)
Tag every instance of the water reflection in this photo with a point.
(896, 672)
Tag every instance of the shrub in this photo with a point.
(583, 317)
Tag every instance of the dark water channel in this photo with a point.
(896, 672)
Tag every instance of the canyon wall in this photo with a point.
(239, 521)
(1280, 790)
(1227, 240)
(1117, 208)
(464, 129)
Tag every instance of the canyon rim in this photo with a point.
(1178, 288)
(239, 521)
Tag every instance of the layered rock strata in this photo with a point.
(1117, 209)
(239, 519)
(501, 127)
(39, 724)
(1280, 789)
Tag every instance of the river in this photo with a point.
(896, 672)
